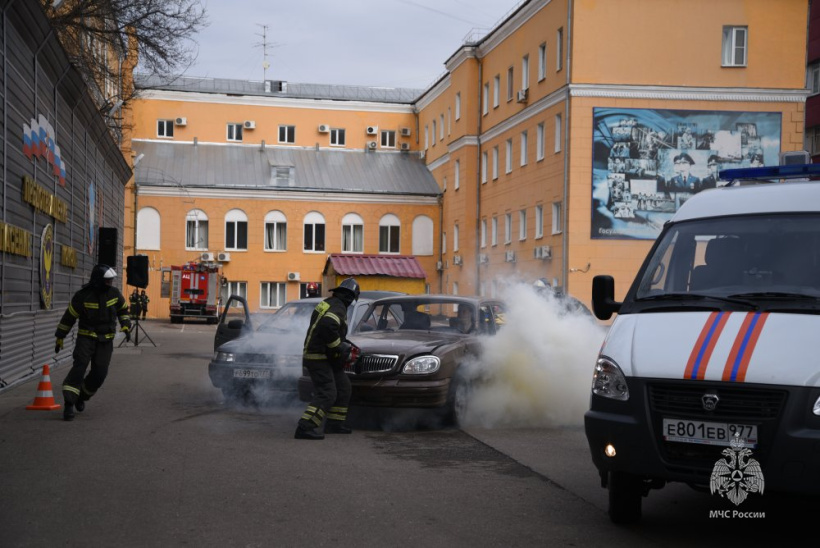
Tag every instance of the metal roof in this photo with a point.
(278, 88)
(244, 166)
(397, 266)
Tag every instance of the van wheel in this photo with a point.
(625, 494)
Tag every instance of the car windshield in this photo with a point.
(748, 261)
(453, 316)
(294, 317)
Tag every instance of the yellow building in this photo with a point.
(558, 144)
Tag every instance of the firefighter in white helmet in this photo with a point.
(98, 305)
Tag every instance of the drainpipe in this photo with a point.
(567, 125)
(477, 228)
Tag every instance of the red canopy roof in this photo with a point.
(398, 266)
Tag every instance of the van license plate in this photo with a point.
(251, 373)
(708, 433)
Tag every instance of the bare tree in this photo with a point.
(106, 38)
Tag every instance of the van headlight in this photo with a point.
(422, 365)
(609, 381)
(223, 356)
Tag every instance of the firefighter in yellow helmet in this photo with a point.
(98, 305)
(325, 352)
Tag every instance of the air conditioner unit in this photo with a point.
(224, 257)
(324, 128)
(249, 124)
(457, 260)
(293, 276)
(439, 265)
(372, 130)
(522, 95)
(405, 132)
(422, 154)
(405, 146)
(509, 256)
(483, 258)
(181, 122)
(206, 257)
(546, 252)
(372, 145)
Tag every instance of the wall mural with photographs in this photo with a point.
(646, 163)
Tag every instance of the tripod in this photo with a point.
(136, 331)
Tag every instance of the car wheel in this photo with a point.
(625, 494)
(238, 394)
(455, 401)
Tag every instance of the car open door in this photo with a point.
(234, 322)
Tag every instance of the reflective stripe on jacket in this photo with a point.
(97, 312)
(328, 328)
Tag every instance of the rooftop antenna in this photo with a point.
(264, 44)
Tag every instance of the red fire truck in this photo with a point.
(195, 291)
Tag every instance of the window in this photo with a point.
(196, 230)
(559, 49)
(457, 175)
(281, 175)
(494, 235)
(165, 128)
(508, 228)
(444, 183)
(455, 292)
(557, 133)
(234, 288)
(441, 127)
(539, 142)
(236, 230)
(423, 235)
(352, 234)
(276, 231)
(485, 99)
(813, 78)
(388, 139)
(287, 134)
(539, 221)
(523, 148)
(522, 224)
(484, 167)
(449, 120)
(434, 133)
(272, 294)
(483, 233)
(458, 105)
(389, 234)
(235, 132)
(426, 138)
(455, 238)
(314, 232)
(444, 242)
(734, 46)
(495, 163)
(148, 228)
(510, 84)
(525, 72)
(556, 218)
(496, 90)
(542, 61)
(508, 159)
(337, 137)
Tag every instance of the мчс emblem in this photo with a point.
(737, 475)
(709, 401)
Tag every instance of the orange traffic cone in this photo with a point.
(44, 401)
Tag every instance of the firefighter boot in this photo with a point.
(68, 412)
(79, 405)
(303, 433)
(337, 427)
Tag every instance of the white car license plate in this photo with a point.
(251, 373)
(708, 433)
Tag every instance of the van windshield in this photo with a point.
(752, 261)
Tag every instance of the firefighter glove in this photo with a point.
(127, 333)
(339, 354)
(58, 346)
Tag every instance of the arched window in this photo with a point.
(196, 230)
(314, 232)
(352, 233)
(148, 229)
(236, 230)
(389, 234)
(276, 231)
(422, 235)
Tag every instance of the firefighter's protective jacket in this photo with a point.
(98, 312)
(328, 329)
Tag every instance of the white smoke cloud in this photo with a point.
(537, 370)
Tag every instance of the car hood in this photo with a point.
(767, 348)
(265, 350)
(406, 343)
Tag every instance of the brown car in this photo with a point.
(411, 347)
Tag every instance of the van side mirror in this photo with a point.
(603, 297)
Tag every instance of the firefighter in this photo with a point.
(312, 289)
(144, 300)
(134, 299)
(98, 305)
(325, 352)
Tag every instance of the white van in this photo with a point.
(717, 341)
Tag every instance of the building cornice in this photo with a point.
(440, 161)
(537, 107)
(509, 27)
(282, 102)
(222, 193)
(680, 93)
(431, 94)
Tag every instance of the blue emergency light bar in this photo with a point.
(794, 171)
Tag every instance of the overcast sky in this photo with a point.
(390, 43)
